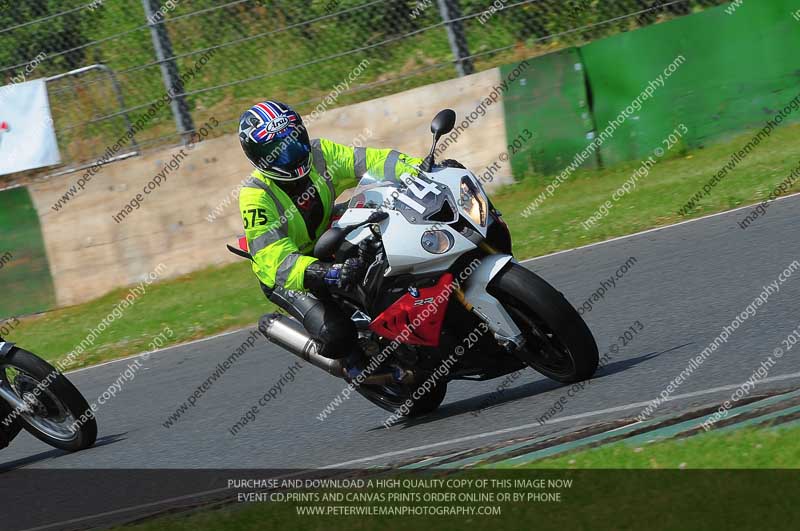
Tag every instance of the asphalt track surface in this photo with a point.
(688, 282)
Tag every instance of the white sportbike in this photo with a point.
(443, 297)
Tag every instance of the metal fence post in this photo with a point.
(169, 68)
(451, 13)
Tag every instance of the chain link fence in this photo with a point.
(167, 65)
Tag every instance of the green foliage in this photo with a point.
(59, 34)
(295, 51)
(572, 21)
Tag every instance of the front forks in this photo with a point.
(478, 300)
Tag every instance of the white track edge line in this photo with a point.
(578, 416)
(171, 347)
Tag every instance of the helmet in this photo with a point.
(275, 140)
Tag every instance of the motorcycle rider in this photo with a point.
(286, 206)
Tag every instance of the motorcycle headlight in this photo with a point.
(473, 202)
(437, 241)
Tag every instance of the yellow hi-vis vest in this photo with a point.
(277, 235)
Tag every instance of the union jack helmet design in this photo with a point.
(275, 140)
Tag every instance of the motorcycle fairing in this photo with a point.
(427, 308)
(484, 304)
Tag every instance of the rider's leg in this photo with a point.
(323, 320)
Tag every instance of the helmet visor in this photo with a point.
(285, 154)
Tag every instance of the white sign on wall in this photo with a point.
(27, 136)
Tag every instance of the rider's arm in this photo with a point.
(347, 164)
(277, 260)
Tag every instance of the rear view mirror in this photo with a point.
(443, 123)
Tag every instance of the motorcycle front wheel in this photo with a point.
(56, 409)
(558, 343)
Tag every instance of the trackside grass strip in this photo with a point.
(747, 448)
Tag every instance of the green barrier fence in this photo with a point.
(26, 285)
(550, 100)
(738, 70)
(730, 72)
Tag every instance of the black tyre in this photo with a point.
(393, 397)
(56, 408)
(558, 342)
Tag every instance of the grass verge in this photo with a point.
(656, 199)
(193, 306)
(746, 448)
(218, 299)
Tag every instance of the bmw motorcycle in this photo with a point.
(443, 297)
(38, 398)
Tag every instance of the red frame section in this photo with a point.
(396, 321)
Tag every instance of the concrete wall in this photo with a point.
(90, 254)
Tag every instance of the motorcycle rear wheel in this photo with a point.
(58, 406)
(558, 344)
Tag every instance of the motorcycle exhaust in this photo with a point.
(290, 335)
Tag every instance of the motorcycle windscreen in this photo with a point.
(418, 199)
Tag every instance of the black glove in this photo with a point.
(321, 275)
